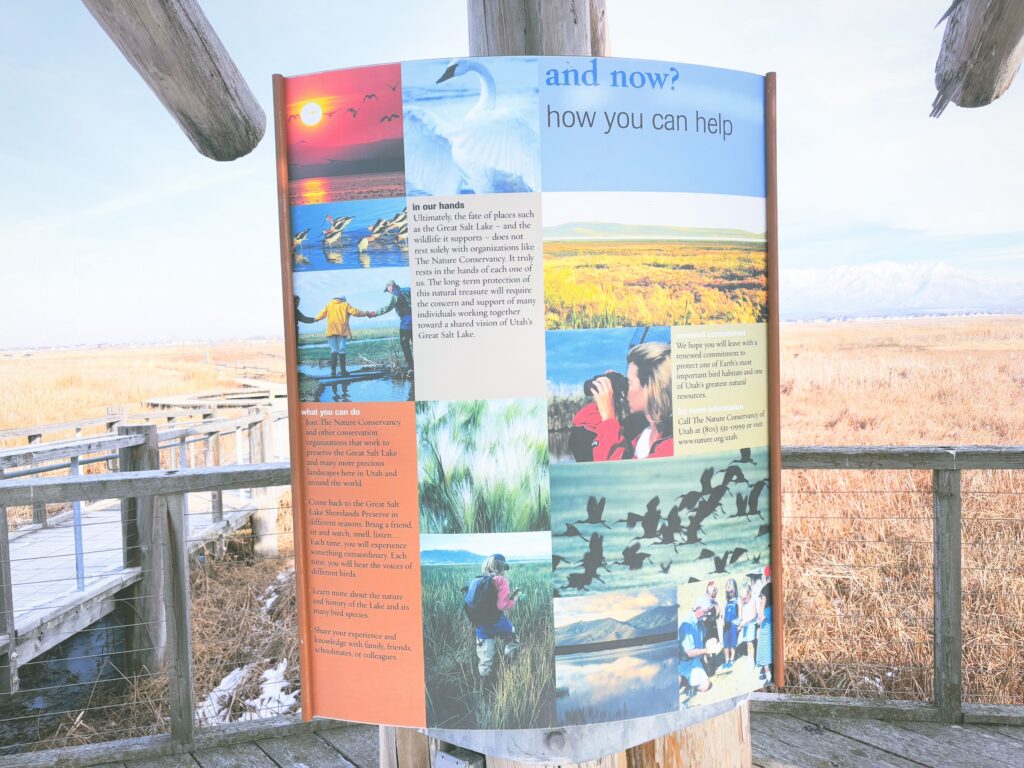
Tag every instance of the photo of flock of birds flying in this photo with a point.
(628, 525)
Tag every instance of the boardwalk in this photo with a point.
(48, 605)
(779, 741)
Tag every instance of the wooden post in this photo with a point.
(264, 519)
(721, 741)
(178, 610)
(948, 595)
(213, 460)
(9, 659)
(38, 510)
(172, 46)
(76, 512)
(144, 534)
(538, 28)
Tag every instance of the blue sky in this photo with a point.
(114, 229)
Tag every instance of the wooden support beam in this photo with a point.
(9, 659)
(58, 490)
(538, 27)
(144, 531)
(981, 52)
(177, 609)
(949, 639)
(172, 46)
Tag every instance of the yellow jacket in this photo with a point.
(337, 313)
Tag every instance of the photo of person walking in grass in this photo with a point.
(488, 643)
(483, 466)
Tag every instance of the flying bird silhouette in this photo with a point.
(595, 511)
(744, 457)
(571, 530)
(632, 557)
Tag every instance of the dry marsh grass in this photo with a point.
(857, 546)
(58, 385)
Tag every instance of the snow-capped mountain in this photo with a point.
(889, 289)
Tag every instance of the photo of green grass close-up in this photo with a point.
(521, 693)
(483, 466)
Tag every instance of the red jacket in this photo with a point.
(611, 442)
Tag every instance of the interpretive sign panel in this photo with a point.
(528, 346)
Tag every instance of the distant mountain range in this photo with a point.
(450, 557)
(657, 621)
(462, 557)
(889, 289)
(596, 230)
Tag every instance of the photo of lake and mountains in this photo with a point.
(616, 656)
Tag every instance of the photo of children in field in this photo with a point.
(647, 524)
(483, 466)
(487, 632)
(725, 642)
(354, 331)
(355, 234)
(630, 259)
(616, 656)
(609, 394)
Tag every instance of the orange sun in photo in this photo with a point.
(311, 113)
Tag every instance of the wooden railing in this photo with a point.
(160, 493)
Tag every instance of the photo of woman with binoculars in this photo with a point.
(630, 417)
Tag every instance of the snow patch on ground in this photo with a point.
(222, 704)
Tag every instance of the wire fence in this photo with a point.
(95, 684)
(859, 617)
(858, 564)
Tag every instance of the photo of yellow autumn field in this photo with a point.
(614, 284)
(628, 260)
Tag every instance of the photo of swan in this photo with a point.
(471, 126)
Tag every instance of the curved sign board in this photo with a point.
(527, 307)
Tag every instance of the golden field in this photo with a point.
(58, 385)
(857, 545)
(614, 284)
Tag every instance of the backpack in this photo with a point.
(481, 601)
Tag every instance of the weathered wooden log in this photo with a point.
(172, 45)
(538, 27)
(981, 52)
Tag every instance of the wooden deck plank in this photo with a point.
(169, 761)
(1015, 732)
(246, 755)
(813, 746)
(360, 744)
(303, 749)
(920, 748)
(997, 749)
